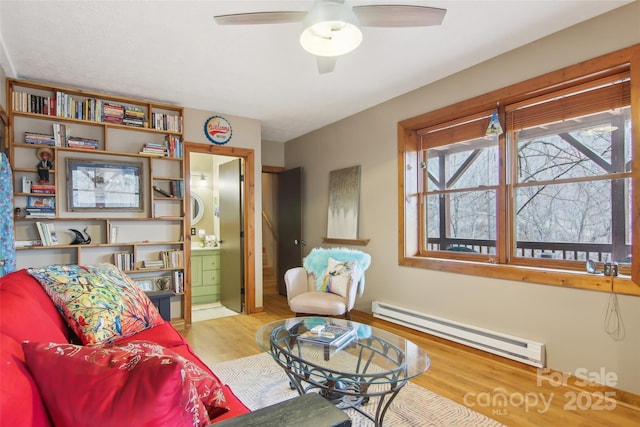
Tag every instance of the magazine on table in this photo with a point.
(333, 335)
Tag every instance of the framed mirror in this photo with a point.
(197, 208)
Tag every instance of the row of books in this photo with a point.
(172, 147)
(60, 105)
(27, 243)
(92, 109)
(152, 263)
(133, 116)
(47, 233)
(82, 143)
(113, 113)
(175, 147)
(39, 138)
(178, 281)
(43, 189)
(154, 149)
(60, 138)
(168, 122)
(60, 134)
(30, 103)
(70, 107)
(123, 260)
(41, 213)
(177, 188)
(173, 258)
(29, 187)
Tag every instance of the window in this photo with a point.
(461, 171)
(572, 174)
(553, 191)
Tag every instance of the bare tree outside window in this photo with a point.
(570, 186)
(572, 201)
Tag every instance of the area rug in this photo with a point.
(259, 381)
(210, 312)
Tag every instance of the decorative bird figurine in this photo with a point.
(79, 238)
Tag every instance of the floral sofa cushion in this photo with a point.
(100, 303)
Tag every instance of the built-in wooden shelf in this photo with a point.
(333, 240)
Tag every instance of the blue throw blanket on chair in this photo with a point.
(318, 259)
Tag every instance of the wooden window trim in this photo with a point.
(409, 157)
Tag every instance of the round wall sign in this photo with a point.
(218, 130)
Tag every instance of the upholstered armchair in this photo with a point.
(328, 283)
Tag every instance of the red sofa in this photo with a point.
(28, 314)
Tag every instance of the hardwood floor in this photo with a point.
(507, 391)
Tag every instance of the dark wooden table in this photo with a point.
(162, 300)
(308, 410)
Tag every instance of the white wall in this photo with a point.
(569, 321)
(272, 153)
(246, 134)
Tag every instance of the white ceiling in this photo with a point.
(172, 51)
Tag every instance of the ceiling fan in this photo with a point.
(331, 28)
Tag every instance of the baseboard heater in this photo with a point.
(515, 348)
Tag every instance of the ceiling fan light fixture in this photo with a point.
(600, 130)
(330, 29)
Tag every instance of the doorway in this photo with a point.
(216, 255)
(282, 238)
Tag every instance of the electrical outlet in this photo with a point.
(193, 231)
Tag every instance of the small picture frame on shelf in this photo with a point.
(41, 202)
(145, 283)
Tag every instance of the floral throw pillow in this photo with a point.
(100, 303)
(338, 276)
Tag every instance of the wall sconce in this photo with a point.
(199, 179)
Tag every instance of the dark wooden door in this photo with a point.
(290, 242)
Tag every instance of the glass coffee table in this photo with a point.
(364, 370)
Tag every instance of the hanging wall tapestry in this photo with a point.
(7, 244)
(344, 201)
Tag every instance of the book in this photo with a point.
(161, 191)
(153, 263)
(60, 133)
(53, 237)
(47, 233)
(39, 138)
(26, 185)
(43, 189)
(40, 203)
(45, 215)
(332, 335)
(123, 260)
(27, 243)
(178, 282)
(173, 258)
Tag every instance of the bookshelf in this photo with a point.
(79, 126)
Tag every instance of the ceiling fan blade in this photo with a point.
(256, 18)
(326, 64)
(398, 15)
